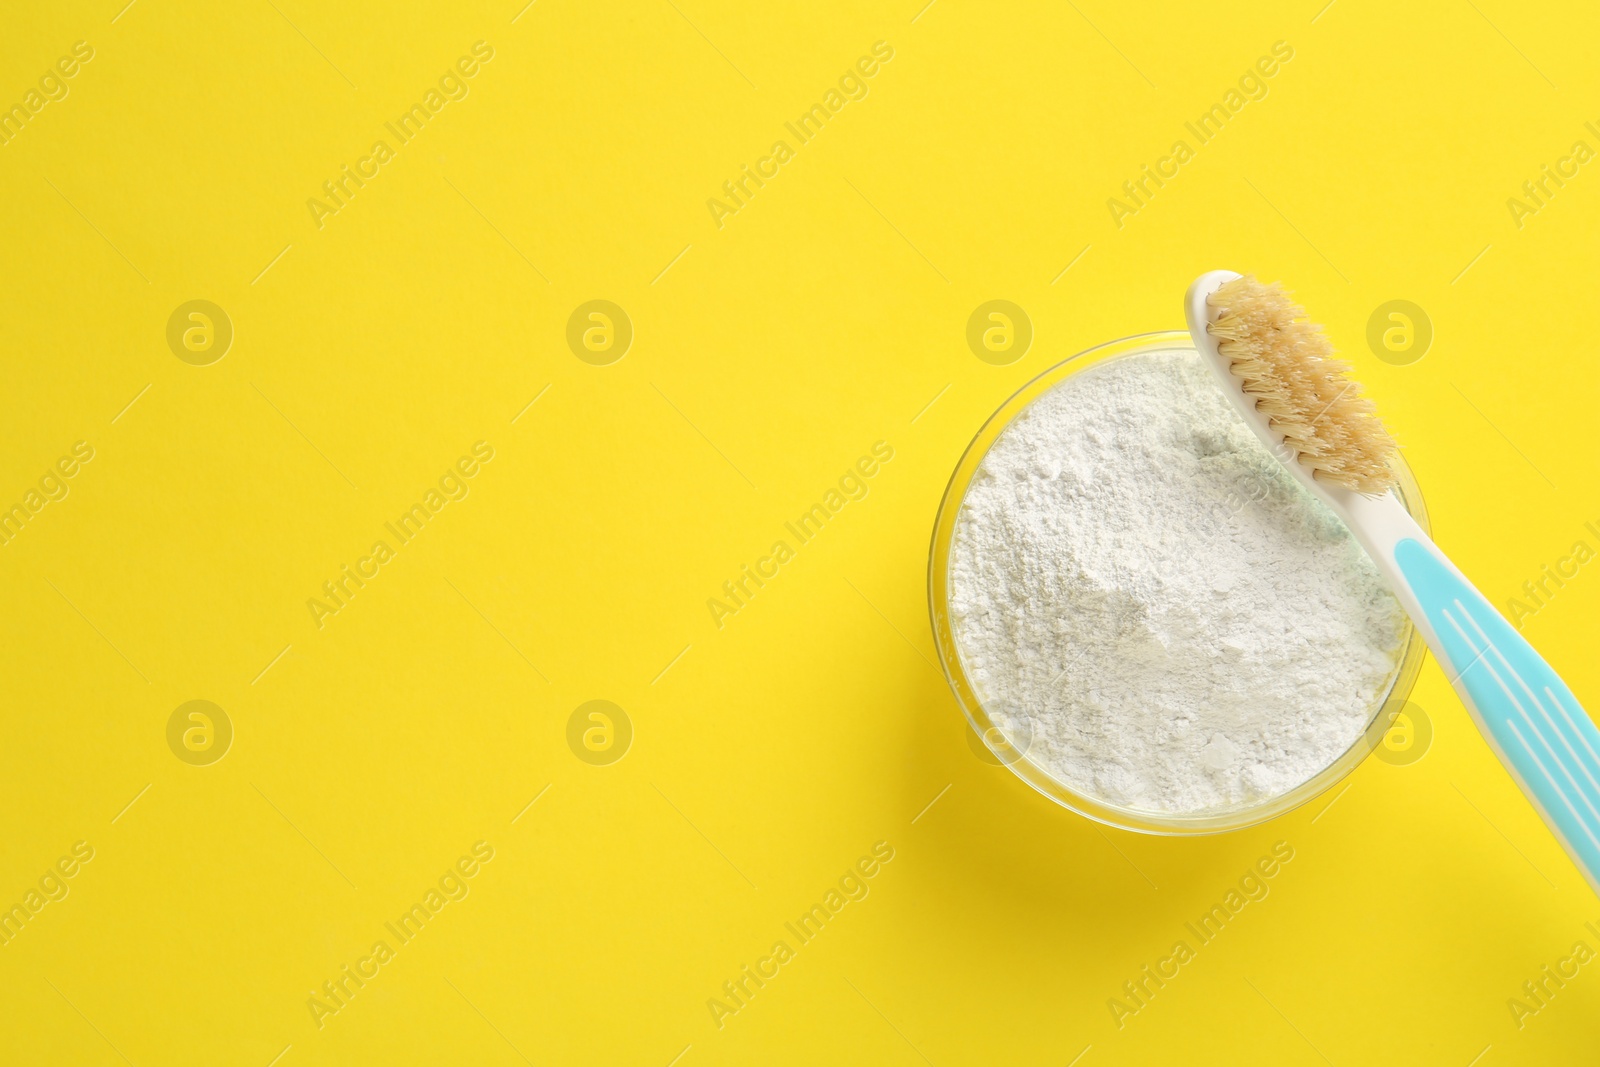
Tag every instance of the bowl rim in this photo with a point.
(1408, 665)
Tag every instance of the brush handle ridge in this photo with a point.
(1526, 713)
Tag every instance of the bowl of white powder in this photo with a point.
(1145, 616)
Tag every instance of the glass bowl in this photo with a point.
(1150, 822)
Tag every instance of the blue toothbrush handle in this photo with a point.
(1527, 714)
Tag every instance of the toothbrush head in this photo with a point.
(1286, 365)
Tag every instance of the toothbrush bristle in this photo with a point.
(1288, 365)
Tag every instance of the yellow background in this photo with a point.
(768, 355)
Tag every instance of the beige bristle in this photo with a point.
(1288, 365)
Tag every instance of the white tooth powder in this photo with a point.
(1155, 611)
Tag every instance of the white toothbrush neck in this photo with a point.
(1379, 523)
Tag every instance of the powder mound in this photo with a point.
(1176, 624)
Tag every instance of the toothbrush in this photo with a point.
(1278, 371)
